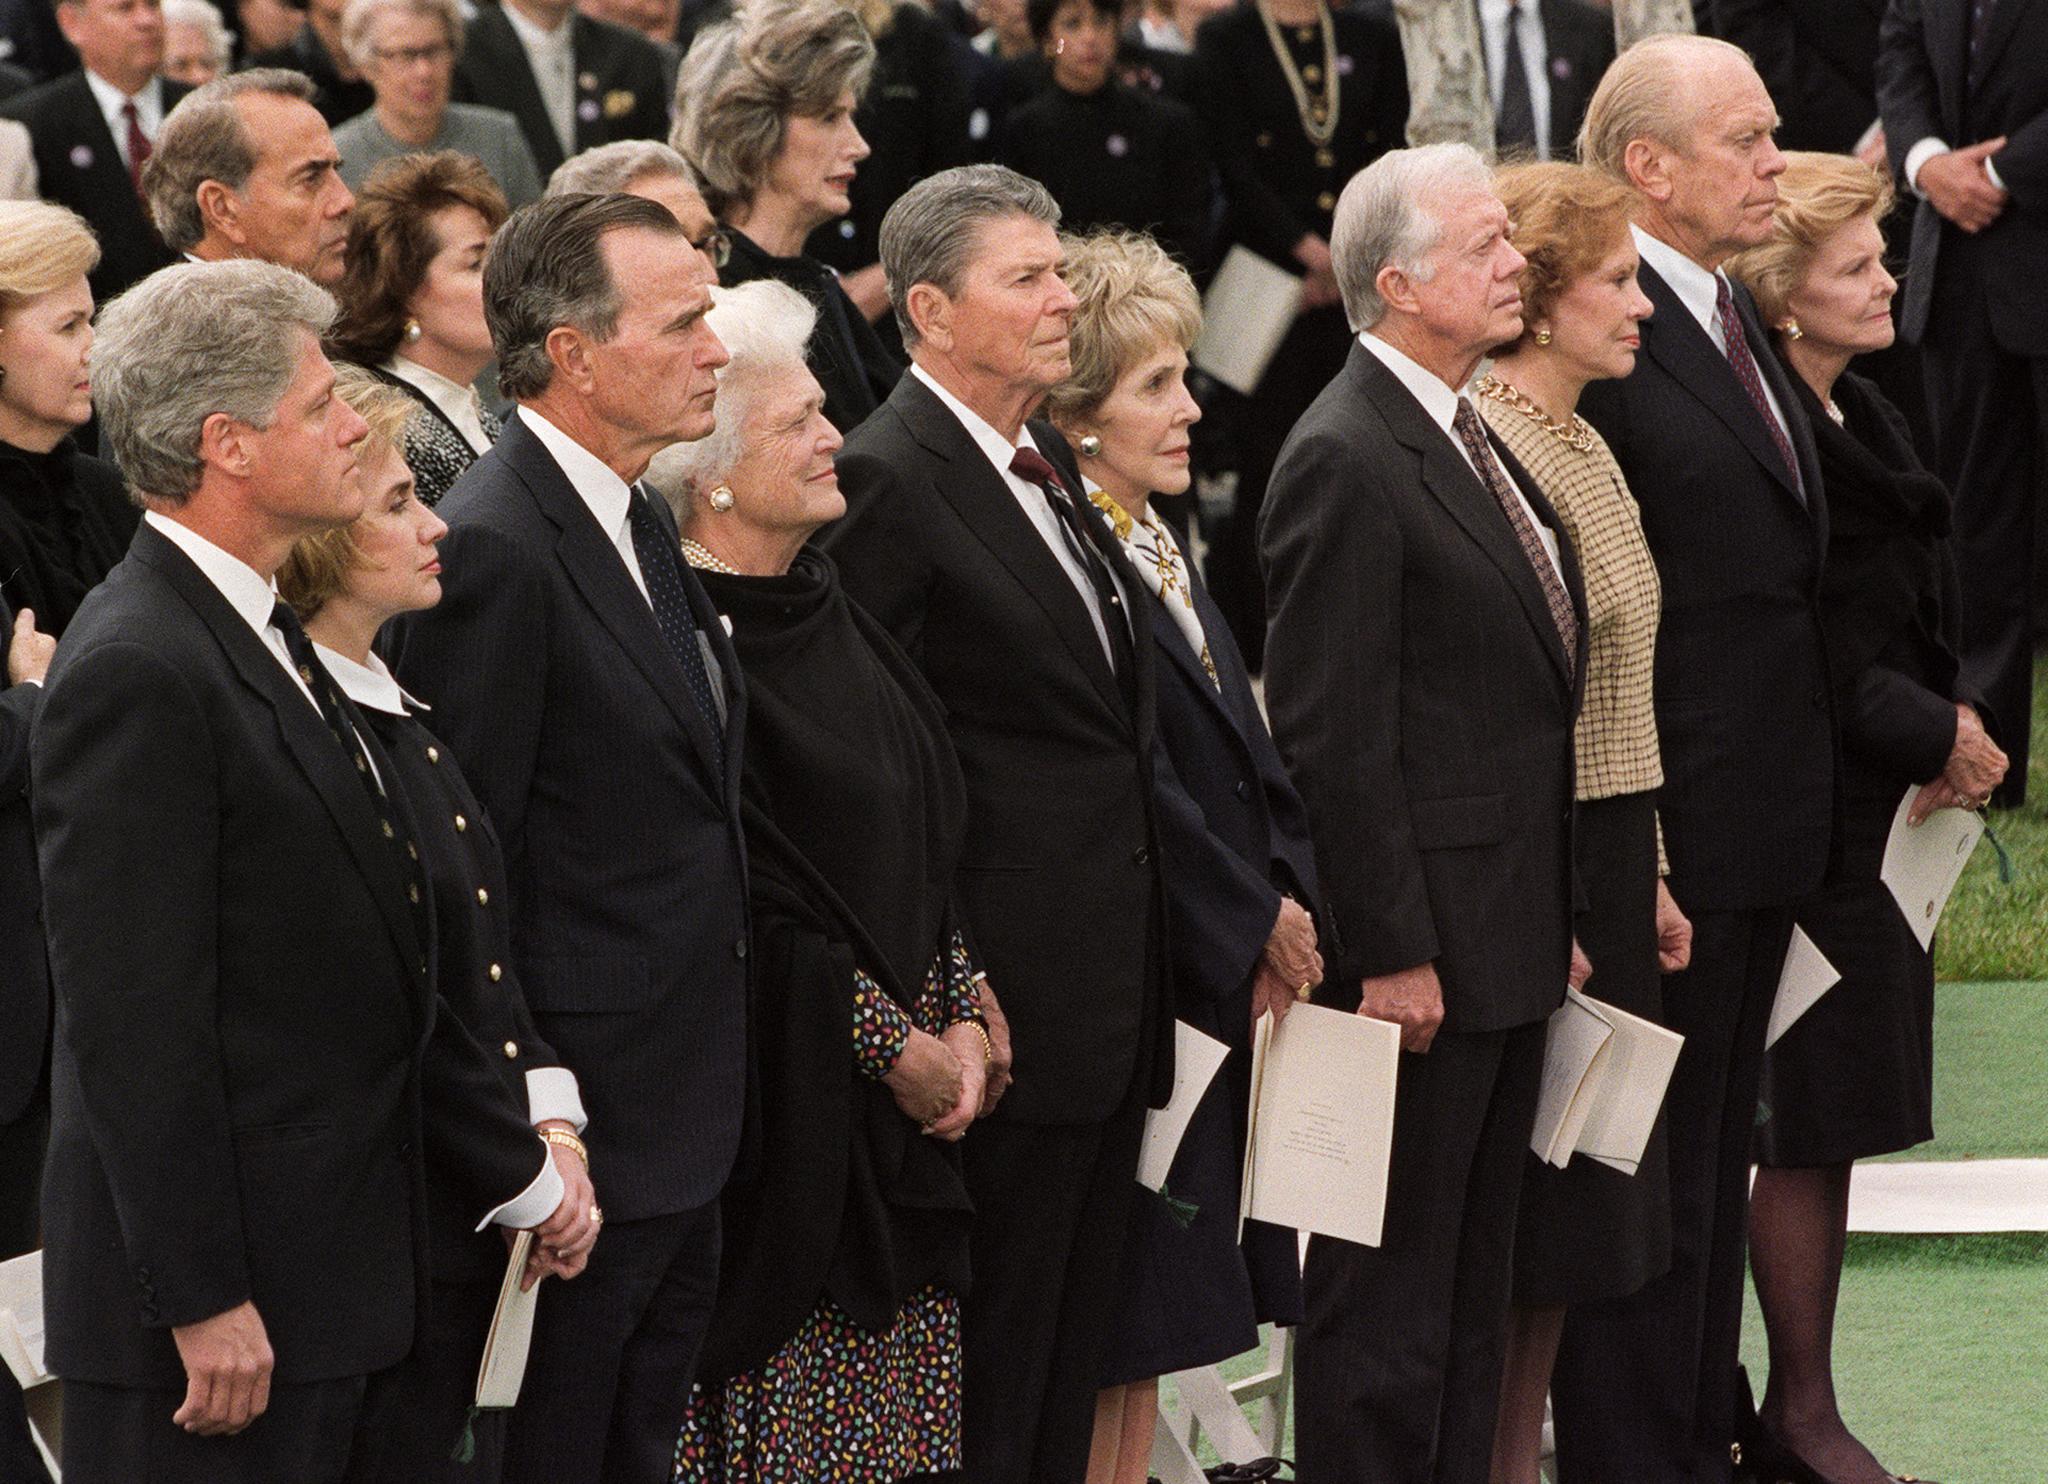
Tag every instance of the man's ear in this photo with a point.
(220, 211)
(1396, 288)
(932, 312)
(1647, 164)
(224, 445)
(568, 348)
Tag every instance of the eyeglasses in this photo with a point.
(715, 245)
(412, 56)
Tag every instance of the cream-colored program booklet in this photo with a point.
(1196, 1060)
(1923, 862)
(1250, 306)
(504, 1367)
(1575, 1051)
(1322, 1123)
(1605, 1073)
(21, 1348)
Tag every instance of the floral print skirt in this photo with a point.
(836, 1403)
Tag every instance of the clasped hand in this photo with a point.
(1961, 189)
(1976, 765)
(1289, 965)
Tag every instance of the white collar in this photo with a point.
(608, 496)
(370, 685)
(249, 592)
(1493, 14)
(998, 449)
(445, 392)
(531, 36)
(1440, 402)
(1697, 288)
(112, 100)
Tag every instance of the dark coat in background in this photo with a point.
(621, 83)
(852, 363)
(1580, 40)
(339, 99)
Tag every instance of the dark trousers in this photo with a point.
(317, 1432)
(438, 1382)
(1051, 1206)
(1399, 1361)
(1990, 412)
(614, 1351)
(22, 1141)
(1644, 1387)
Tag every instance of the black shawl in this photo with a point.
(65, 520)
(855, 811)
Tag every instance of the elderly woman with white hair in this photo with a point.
(197, 42)
(649, 168)
(847, 1246)
(407, 49)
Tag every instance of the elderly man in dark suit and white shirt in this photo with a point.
(1720, 459)
(580, 673)
(251, 1060)
(1422, 673)
(1543, 60)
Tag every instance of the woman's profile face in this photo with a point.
(1143, 424)
(784, 481)
(449, 303)
(1593, 322)
(397, 567)
(1843, 302)
(814, 170)
(45, 350)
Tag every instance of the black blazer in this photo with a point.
(1819, 60)
(1744, 717)
(337, 99)
(622, 90)
(242, 1062)
(24, 964)
(78, 165)
(1924, 89)
(1579, 39)
(856, 370)
(1419, 696)
(1060, 878)
(551, 680)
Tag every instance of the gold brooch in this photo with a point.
(618, 103)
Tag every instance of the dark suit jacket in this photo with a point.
(1580, 41)
(1743, 711)
(622, 89)
(1060, 879)
(337, 99)
(1819, 60)
(1924, 88)
(1419, 697)
(240, 1069)
(24, 970)
(551, 680)
(78, 165)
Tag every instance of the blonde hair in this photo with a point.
(319, 565)
(1566, 220)
(1818, 195)
(1132, 296)
(1645, 95)
(42, 247)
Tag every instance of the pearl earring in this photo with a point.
(1543, 337)
(721, 499)
(1792, 330)
(1090, 446)
(413, 331)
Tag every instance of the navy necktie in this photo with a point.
(1515, 125)
(661, 568)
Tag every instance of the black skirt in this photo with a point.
(1588, 1231)
(1854, 1076)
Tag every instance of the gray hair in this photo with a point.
(933, 231)
(206, 18)
(203, 139)
(359, 21)
(546, 268)
(765, 326)
(606, 169)
(190, 341)
(1645, 94)
(1390, 215)
(745, 78)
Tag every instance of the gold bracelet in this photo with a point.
(988, 1050)
(566, 1140)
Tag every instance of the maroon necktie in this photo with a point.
(1737, 350)
(1472, 433)
(138, 146)
(1033, 467)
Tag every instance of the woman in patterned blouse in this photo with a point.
(1588, 1232)
(834, 1348)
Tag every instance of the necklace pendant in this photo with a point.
(1326, 159)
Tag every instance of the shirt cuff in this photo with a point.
(552, 1093)
(532, 1205)
(1925, 150)
(1989, 169)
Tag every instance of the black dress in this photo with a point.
(1854, 1076)
(1118, 158)
(1277, 188)
(849, 359)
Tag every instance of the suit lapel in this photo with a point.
(1450, 479)
(986, 505)
(511, 84)
(313, 746)
(105, 172)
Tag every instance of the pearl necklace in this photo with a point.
(695, 553)
(1574, 435)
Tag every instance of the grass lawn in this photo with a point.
(1990, 1093)
(1997, 930)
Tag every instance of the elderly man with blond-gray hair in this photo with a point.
(1711, 439)
(1422, 673)
(251, 1059)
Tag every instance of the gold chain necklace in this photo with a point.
(1318, 118)
(697, 556)
(1574, 435)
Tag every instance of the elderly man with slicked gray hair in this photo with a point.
(250, 1057)
(1423, 669)
(968, 536)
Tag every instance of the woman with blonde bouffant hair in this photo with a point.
(1854, 1076)
(1588, 1232)
(1242, 891)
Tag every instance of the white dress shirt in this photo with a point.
(552, 56)
(149, 110)
(1698, 290)
(1926, 149)
(1440, 404)
(1030, 498)
(609, 497)
(1493, 35)
(551, 1092)
(458, 403)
